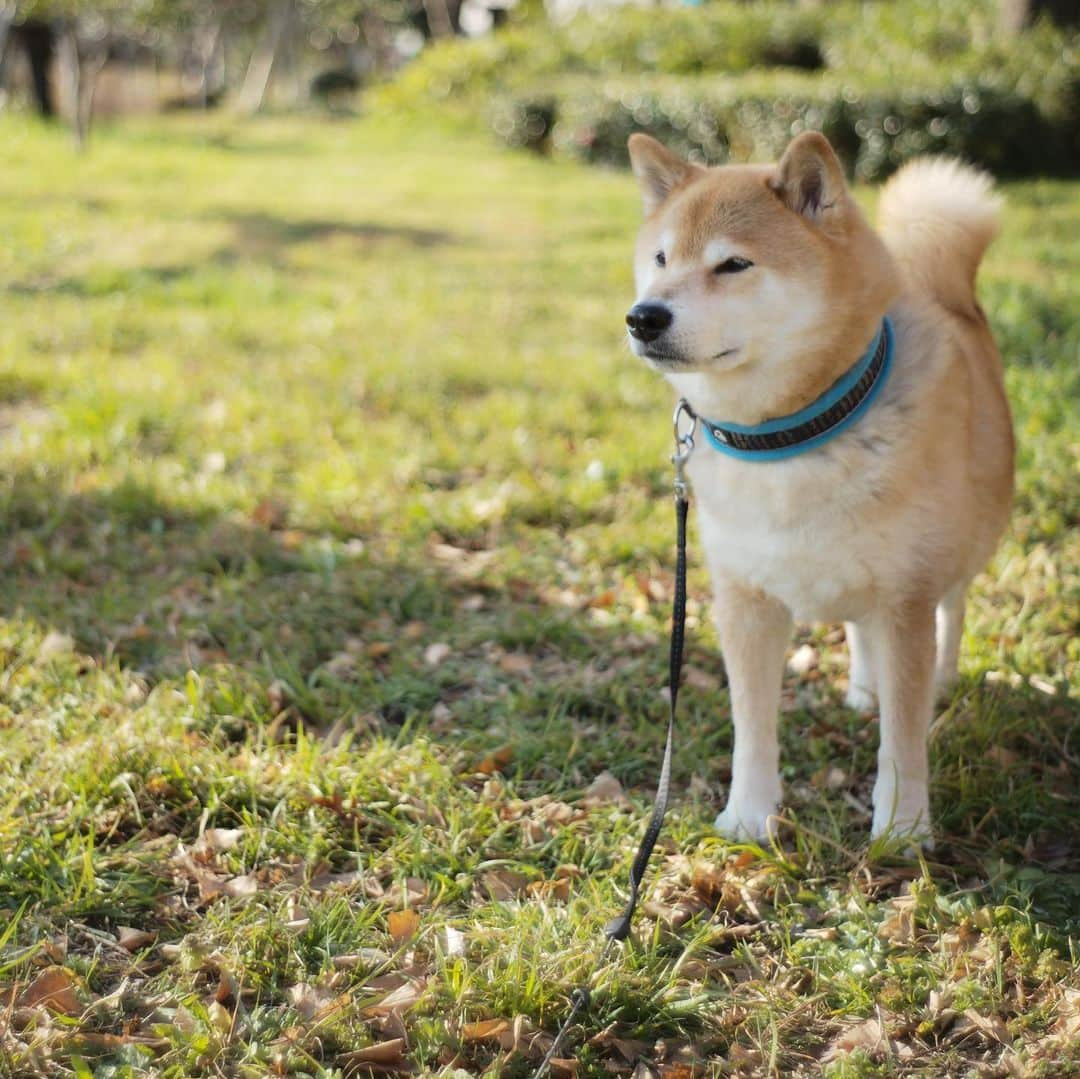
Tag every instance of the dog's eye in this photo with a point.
(733, 265)
(661, 258)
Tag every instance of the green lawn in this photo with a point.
(337, 564)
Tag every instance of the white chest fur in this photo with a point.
(796, 529)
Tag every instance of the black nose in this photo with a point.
(647, 321)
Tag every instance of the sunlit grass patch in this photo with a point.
(338, 568)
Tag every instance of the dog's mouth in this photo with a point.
(664, 360)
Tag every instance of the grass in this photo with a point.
(337, 566)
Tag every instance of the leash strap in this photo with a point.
(618, 929)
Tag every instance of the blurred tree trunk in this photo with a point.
(261, 67)
(1017, 15)
(438, 18)
(38, 38)
(209, 48)
(83, 61)
(7, 17)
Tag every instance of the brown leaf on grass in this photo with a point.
(53, 988)
(486, 1028)
(310, 1000)
(503, 884)
(411, 892)
(437, 653)
(495, 762)
(711, 883)
(403, 924)
(242, 887)
(365, 957)
(323, 880)
(563, 1066)
(55, 644)
(389, 1054)
(867, 1035)
(92, 1043)
(271, 513)
(397, 1000)
(673, 915)
(630, 1049)
(131, 940)
(1068, 1020)
(992, 1027)
(455, 942)
(557, 890)
(899, 927)
(218, 839)
(803, 660)
(603, 790)
(516, 663)
(523, 1037)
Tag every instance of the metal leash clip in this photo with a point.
(684, 446)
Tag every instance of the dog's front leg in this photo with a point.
(903, 645)
(754, 631)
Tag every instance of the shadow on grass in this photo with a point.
(257, 237)
(320, 630)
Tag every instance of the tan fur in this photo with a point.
(938, 218)
(884, 526)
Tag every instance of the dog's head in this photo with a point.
(757, 286)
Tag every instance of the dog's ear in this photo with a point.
(810, 179)
(657, 169)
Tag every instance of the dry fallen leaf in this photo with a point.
(309, 1000)
(53, 988)
(242, 887)
(803, 660)
(503, 884)
(495, 762)
(389, 1054)
(403, 924)
(455, 941)
(516, 663)
(131, 940)
(219, 839)
(397, 1000)
(866, 1035)
(486, 1028)
(605, 788)
(436, 653)
(55, 644)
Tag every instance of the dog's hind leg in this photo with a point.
(903, 644)
(950, 630)
(862, 671)
(754, 632)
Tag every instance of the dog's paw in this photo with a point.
(902, 810)
(748, 822)
(860, 699)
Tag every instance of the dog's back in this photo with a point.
(937, 217)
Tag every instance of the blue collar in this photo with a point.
(835, 410)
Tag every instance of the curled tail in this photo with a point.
(937, 217)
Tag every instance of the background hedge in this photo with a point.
(885, 82)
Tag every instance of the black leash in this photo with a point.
(618, 929)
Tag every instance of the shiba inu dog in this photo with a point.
(854, 455)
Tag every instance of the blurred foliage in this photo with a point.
(895, 80)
